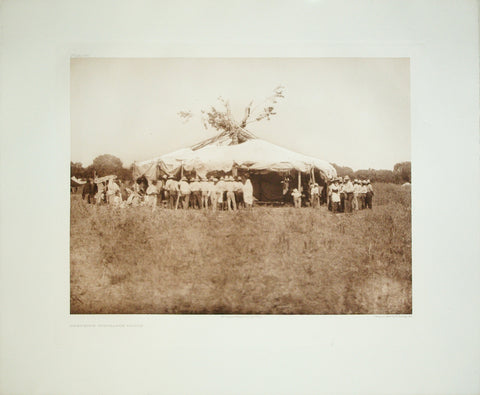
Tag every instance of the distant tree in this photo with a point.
(403, 171)
(77, 170)
(400, 173)
(369, 174)
(106, 164)
(343, 171)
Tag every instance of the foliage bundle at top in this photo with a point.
(223, 120)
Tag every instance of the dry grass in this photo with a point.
(261, 261)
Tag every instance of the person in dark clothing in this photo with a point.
(90, 189)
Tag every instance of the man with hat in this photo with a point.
(297, 198)
(362, 194)
(204, 189)
(314, 195)
(184, 189)
(230, 188)
(172, 187)
(356, 195)
(238, 191)
(348, 191)
(210, 185)
(220, 187)
(196, 194)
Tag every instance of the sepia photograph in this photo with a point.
(239, 197)
(240, 186)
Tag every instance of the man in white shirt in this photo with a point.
(356, 195)
(184, 189)
(297, 198)
(230, 187)
(219, 190)
(196, 195)
(172, 187)
(363, 194)
(348, 191)
(204, 189)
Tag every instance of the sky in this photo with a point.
(354, 112)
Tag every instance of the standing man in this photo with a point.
(363, 194)
(348, 191)
(285, 189)
(356, 195)
(230, 187)
(213, 193)
(196, 194)
(239, 192)
(184, 188)
(314, 196)
(297, 198)
(172, 187)
(204, 190)
(220, 189)
(89, 189)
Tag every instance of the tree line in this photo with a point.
(105, 165)
(400, 174)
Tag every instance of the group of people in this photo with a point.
(105, 192)
(314, 196)
(345, 195)
(224, 193)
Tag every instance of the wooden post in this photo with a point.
(313, 175)
(299, 181)
(181, 171)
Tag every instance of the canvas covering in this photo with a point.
(254, 154)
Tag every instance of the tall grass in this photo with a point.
(262, 261)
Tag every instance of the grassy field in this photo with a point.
(259, 261)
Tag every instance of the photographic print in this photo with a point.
(240, 186)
